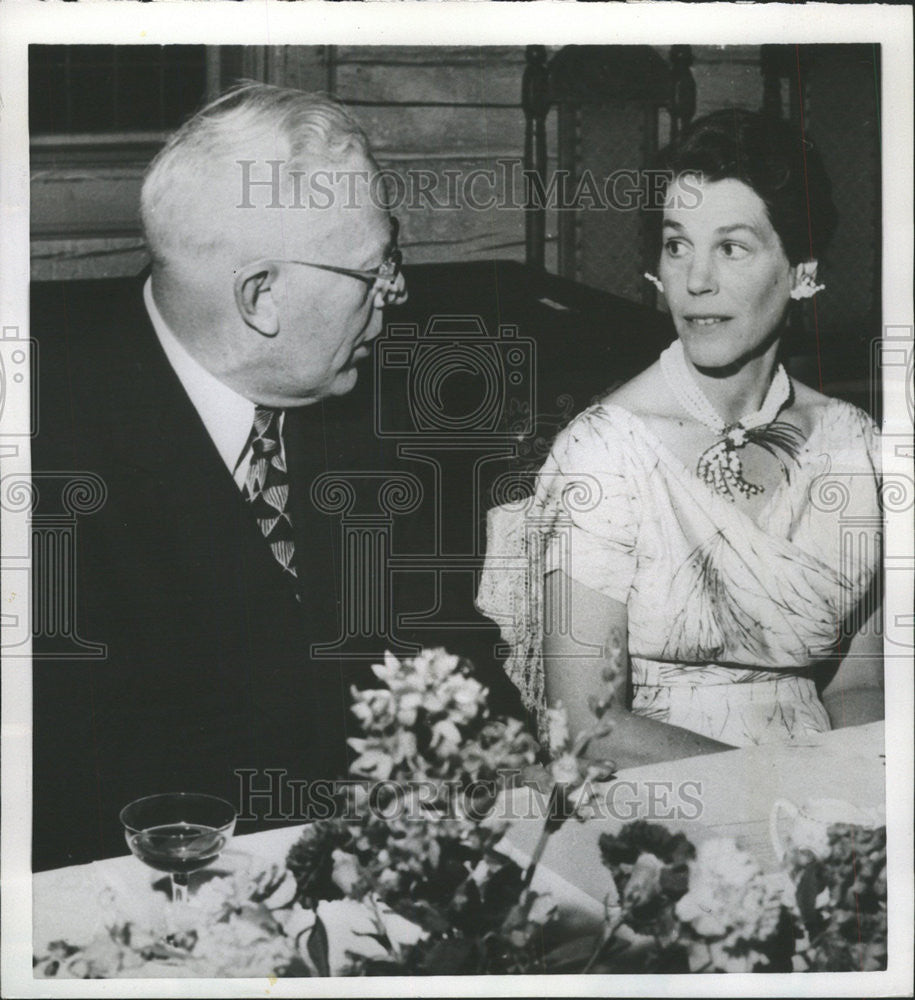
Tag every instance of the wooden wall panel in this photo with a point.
(68, 202)
(61, 259)
(429, 55)
(431, 225)
(443, 131)
(449, 84)
(424, 108)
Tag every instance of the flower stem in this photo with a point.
(549, 827)
(608, 932)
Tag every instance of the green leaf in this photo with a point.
(560, 808)
(380, 966)
(571, 955)
(382, 939)
(422, 913)
(318, 947)
(450, 957)
(296, 969)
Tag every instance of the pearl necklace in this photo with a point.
(720, 465)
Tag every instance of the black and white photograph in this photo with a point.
(457, 499)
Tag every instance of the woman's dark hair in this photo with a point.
(781, 164)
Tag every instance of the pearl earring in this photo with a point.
(655, 280)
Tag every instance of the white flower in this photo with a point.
(345, 874)
(404, 748)
(373, 708)
(408, 706)
(295, 920)
(730, 900)
(389, 671)
(389, 879)
(557, 726)
(439, 664)
(372, 764)
(420, 665)
(433, 703)
(446, 737)
(362, 711)
(565, 769)
(721, 859)
(242, 946)
(542, 909)
(350, 925)
(724, 961)
(698, 907)
(467, 695)
(644, 880)
(400, 931)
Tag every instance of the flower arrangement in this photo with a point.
(426, 846)
(236, 927)
(841, 898)
(408, 879)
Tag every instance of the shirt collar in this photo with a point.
(227, 416)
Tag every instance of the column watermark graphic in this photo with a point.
(52, 503)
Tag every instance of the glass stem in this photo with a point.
(179, 887)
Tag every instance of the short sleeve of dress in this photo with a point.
(581, 519)
(589, 486)
(845, 515)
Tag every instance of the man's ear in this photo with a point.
(255, 299)
(804, 280)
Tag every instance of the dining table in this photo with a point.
(731, 794)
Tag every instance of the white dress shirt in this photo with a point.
(227, 416)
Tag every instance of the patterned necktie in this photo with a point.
(267, 487)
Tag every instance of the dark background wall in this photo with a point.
(439, 108)
(99, 113)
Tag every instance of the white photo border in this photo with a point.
(265, 22)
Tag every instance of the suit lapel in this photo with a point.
(161, 438)
(304, 439)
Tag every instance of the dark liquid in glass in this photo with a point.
(177, 847)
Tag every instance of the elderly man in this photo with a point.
(195, 395)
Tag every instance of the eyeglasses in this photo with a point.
(386, 274)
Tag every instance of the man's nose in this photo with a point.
(701, 278)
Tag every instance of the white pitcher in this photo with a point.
(806, 826)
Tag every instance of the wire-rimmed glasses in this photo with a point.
(386, 275)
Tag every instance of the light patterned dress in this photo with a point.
(727, 615)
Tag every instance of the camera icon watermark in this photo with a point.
(18, 366)
(458, 381)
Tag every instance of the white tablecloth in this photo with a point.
(732, 792)
(735, 792)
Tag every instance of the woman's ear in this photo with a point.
(804, 280)
(255, 299)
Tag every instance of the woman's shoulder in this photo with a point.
(831, 415)
(642, 397)
(839, 430)
(613, 425)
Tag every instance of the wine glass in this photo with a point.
(178, 833)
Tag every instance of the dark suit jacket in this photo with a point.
(207, 667)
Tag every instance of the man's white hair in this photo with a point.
(194, 186)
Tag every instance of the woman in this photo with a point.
(686, 517)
